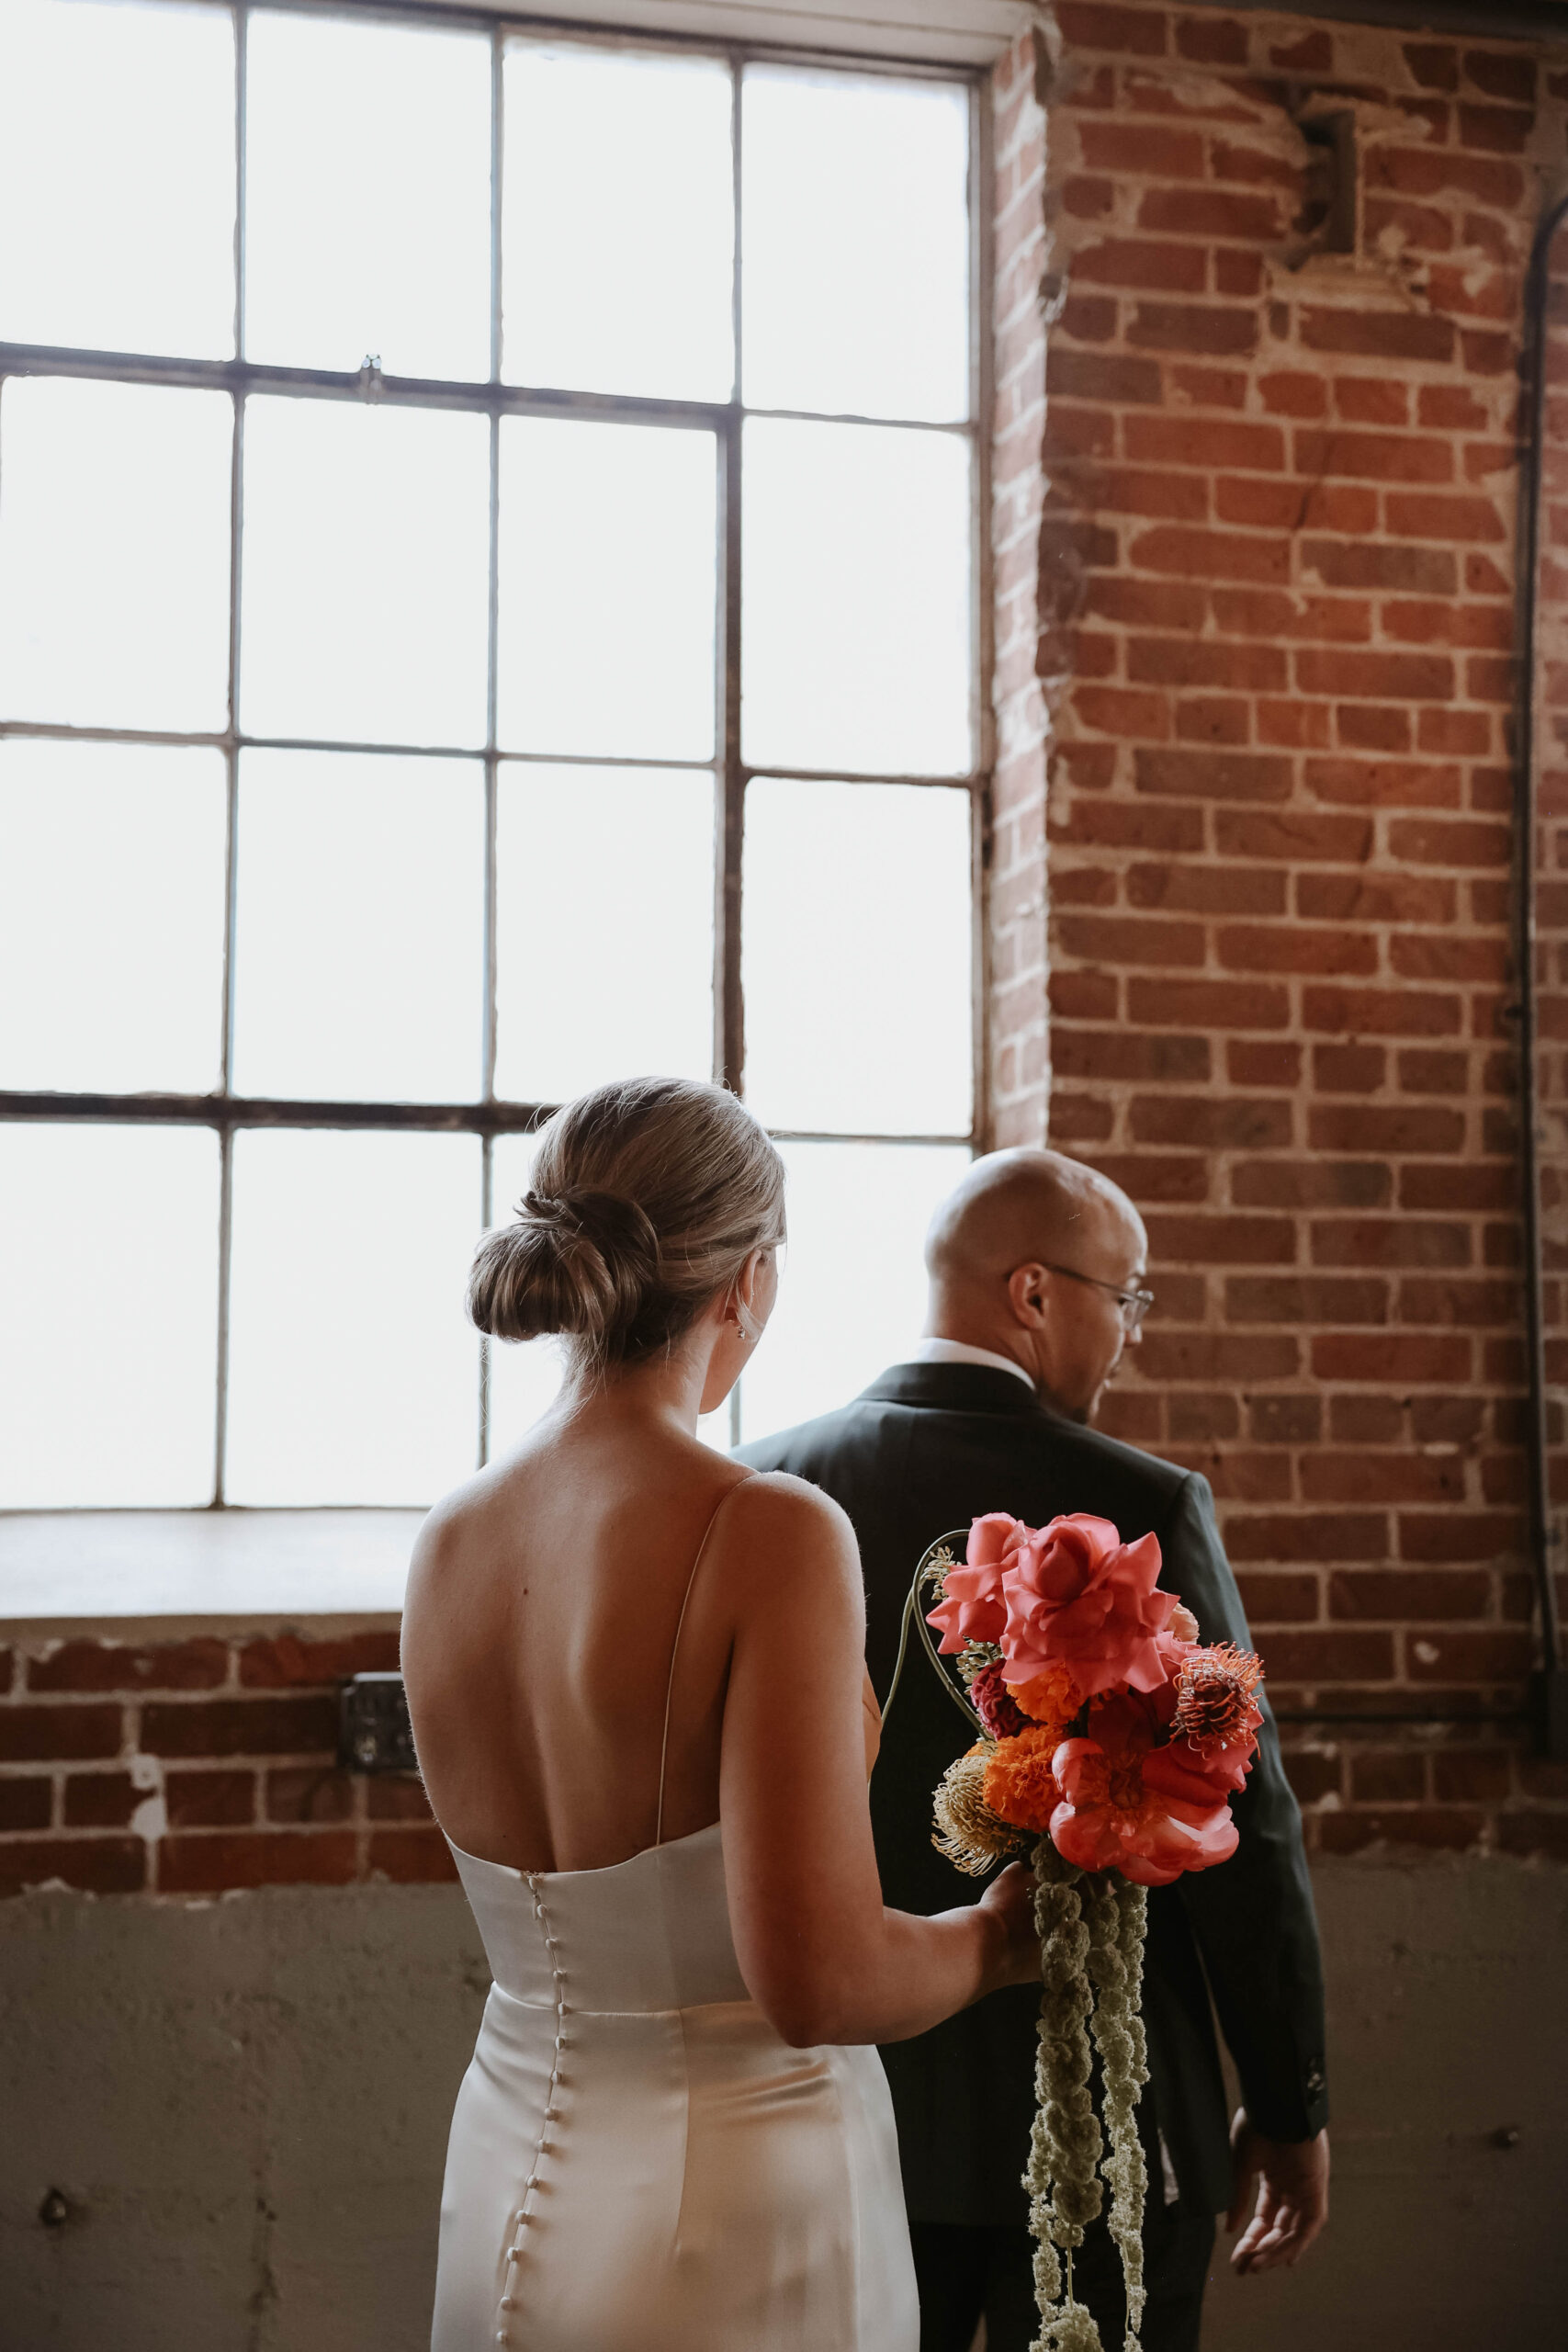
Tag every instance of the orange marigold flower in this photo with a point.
(1049, 1697)
(1020, 1784)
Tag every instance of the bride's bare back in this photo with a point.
(539, 1636)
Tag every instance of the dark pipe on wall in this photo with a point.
(1550, 1693)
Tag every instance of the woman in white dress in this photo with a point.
(635, 1672)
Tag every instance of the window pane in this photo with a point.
(109, 1302)
(856, 571)
(111, 916)
(853, 1297)
(855, 202)
(359, 932)
(365, 568)
(617, 237)
(857, 936)
(114, 554)
(354, 1373)
(368, 197)
(117, 177)
(523, 1374)
(608, 590)
(603, 928)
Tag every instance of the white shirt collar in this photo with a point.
(960, 1352)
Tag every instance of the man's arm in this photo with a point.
(1252, 1917)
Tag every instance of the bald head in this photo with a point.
(1025, 1257)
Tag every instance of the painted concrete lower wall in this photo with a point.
(245, 2104)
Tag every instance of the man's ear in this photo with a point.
(1026, 1296)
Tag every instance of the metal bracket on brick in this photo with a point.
(374, 1731)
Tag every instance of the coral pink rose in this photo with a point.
(1079, 1598)
(1126, 1808)
(972, 1608)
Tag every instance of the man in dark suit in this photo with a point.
(1036, 1268)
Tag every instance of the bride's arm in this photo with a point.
(823, 1957)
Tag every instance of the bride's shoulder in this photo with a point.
(786, 1531)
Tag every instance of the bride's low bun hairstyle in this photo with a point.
(648, 1197)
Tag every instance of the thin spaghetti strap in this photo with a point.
(680, 1621)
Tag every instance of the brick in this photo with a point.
(1392, 1356)
(1433, 66)
(1426, 842)
(1123, 489)
(1377, 334)
(411, 1857)
(241, 1727)
(1389, 1776)
(1196, 1418)
(1211, 40)
(1474, 1775)
(1312, 1535)
(1223, 1240)
(1195, 662)
(286, 1660)
(1097, 376)
(1531, 1832)
(1387, 677)
(25, 1803)
(1357, 1418)
(1292, 834)
(94, 1865)
(1312, 1183)
(1429, 514)
(1478, 1654)
(1382, 783)
(1207, 889)
(1396, 1013)
(1500, 130)
(1116, 711)
(1191, 775)
(1278, 1597)
(1234, 1124)
(210, 1862)
(1419, 571)
(1262, 1062)
(1146, 1177)
(199, 1665)
(1504, 74)
(1373, 726)
(1108, 1056)
(1206, 329)
(396, 1796)
(1088, 25)
(309, 1794)
(1085, 995)
(1140, 262)
(1194, 554)
(40, 1734)
(1147, 603)
(1460, 1536)
(1399, 1129)
(1214, 1356)
(100, 1799)
(1295, 948)
(1211, 212)
(1430, 1827)
(1404, 1595)
(1312, 1776)
(1136, 825)
(210, 1800)
(1376, 457)
(1213, 718)
(1363, 399)
(1286, 1421)
(1360, 1476)
(1330, 1656)
(1314, 1299)
(1389, 1241)
(1145, 149)
(1375, 898)
(1289, 392)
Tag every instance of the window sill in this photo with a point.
(173, 1571)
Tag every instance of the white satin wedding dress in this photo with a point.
(638, 2162)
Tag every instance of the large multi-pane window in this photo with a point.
(487, 604)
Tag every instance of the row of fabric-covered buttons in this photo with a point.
(509, 2301)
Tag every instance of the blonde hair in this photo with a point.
(648, 1197)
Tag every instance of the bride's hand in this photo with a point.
(1010, 1900)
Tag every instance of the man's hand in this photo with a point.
(1292, 2196)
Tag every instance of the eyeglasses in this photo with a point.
(1135, 1304)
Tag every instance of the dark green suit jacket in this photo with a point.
(929, 1447)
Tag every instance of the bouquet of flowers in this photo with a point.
(1110, 1743)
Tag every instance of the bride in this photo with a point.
(635, 1673)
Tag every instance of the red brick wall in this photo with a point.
(1274, 585)
(186, 1766)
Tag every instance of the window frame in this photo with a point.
(222, 1109)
